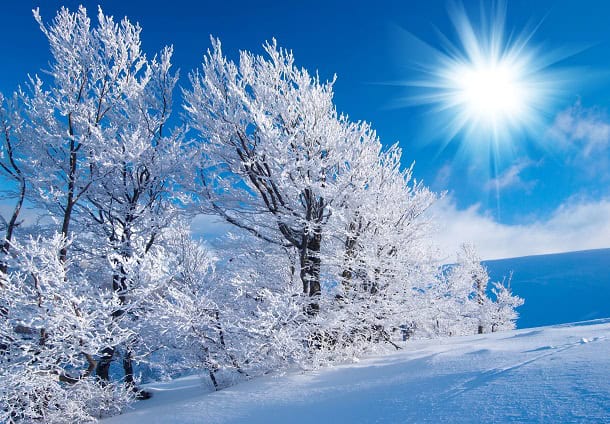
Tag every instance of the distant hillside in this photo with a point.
(559, 288)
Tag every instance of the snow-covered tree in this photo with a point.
(278, 161)
(104, 161)
(134, 198)
(101, 100)
(186, 324)
(11, 169)
(503, 314)
(462, 301)
(272, 323)
(54, 330)
(385, 258)
(234, 317)
(273, 150)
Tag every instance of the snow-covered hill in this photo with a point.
(559, 288)
(554, 374)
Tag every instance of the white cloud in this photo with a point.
(583, 134)
(511, 177)
(587, 128)
(575, 225)
(443, 176)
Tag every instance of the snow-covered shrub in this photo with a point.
(502, 311)
(461, 302)
(54, 330)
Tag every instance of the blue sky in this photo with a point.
(550, 188)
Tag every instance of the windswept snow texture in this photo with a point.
(552, 375)
(560, 288)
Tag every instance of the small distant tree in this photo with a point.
(503, 313)
(471, 263)
(467, 283)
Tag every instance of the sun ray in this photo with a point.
(488, 87)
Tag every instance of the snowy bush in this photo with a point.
(54, 329)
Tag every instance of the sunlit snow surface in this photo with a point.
(555, 374)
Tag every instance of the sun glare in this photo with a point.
(492, 92)
(485, 88)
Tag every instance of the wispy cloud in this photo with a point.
(442, 178)
(575, 225)
(587, 129)
(583, 134)
(512, 177)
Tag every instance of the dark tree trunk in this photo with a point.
(350, 253)
(12, 225)
(129, 380)
(15, 173)
(128, 368)
(120, 287)
(221, 337)
(103, 365)
(480, 287)
(310, 269)
(63, 253)
(70, 201)
(214, 381)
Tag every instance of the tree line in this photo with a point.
(330, 256)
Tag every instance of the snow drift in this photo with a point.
(547, 374)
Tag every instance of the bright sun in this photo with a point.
(492, 92)
(486, 88)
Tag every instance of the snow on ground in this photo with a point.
(554, 374)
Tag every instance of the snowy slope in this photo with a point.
(559, 288)
(554, 374)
